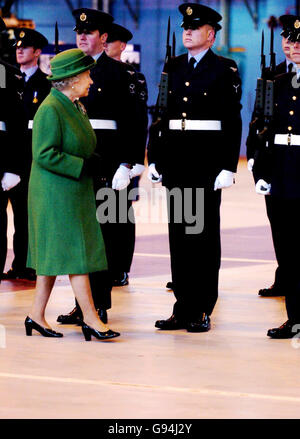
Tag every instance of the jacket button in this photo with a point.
(99, 89)
(294, 98)
(290, 128)
(185, 99)
(187, 83)
(292, 113)
(183, 114)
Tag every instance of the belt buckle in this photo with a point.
(289, 139)
(183, 124)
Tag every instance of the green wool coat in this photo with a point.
(64, 236)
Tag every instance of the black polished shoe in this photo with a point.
(170, 285)
(73, 318)
(272, 291)
(199, 325)
(27, 274)
(102, 313)
(45, 332)
(88, 332)
(287, 330)
(170, 324)
(121, 280)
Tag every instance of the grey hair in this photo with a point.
(64, 83)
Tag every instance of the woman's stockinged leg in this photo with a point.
(82, 291)
(44, 285)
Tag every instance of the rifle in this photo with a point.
(269, 91)
(173, 45)
(261, 124)
(158, 126)
(162, 100)
(56, 48)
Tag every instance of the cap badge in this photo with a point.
(22, 34)
(297, 24)
(82, 17)
(189, 11)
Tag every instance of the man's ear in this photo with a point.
(103, 37)
(37, 52)
(122, 46)
(211, 35)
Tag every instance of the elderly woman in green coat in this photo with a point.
(64, 236)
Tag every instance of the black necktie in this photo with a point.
(191, 65)
(290, 67)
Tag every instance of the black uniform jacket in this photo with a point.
(210, 93)
(12, 119)
(282, 162)
(36, 89)
(138, 81)
(113, 96)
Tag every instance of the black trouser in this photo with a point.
(275, 236)
(18, 198)
(195, 260)
(287, 214)
(119, 240)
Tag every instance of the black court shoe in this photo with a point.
(45, 332)
(88, 332)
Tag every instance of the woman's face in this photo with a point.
(82, 87)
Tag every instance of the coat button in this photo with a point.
(290, 128)
(187, 83)
(294, 98)
(183, 114)
(205, 94)
(99, 89)
(292, 113)
(185, 99)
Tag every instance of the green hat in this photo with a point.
(69, 63)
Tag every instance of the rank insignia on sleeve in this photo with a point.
(234, 69)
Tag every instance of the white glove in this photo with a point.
(136, 170)
(121, 178)
(9, 181)
(250, 165)
(262, 187)
(153, 175)
(224, 179)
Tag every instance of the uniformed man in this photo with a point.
(112, 107)
(277, 288)
(199, 148)
(12, 134)
(280, 177)
(29, 45)
(118, 37)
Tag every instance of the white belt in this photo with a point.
(197, 125)
(2, 126)
(30, 124)
(103, 124)
(287, 139)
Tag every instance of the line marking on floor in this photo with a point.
(208, 392)
(162, 255)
